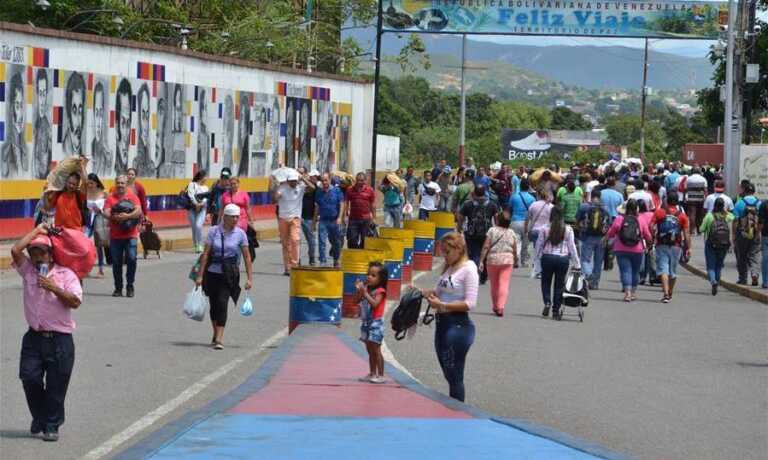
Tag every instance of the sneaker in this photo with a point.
(378, 380)
(218, 346)
(754, 280)
(557, 315)
(665, 299)
(129, 291)
(742, 282)
(714, 289)
(286, 273)
(365, 379)
(117, 293)
(311, 263)
(51, 434)
(335, 264)
(545, 311)
(36, 428)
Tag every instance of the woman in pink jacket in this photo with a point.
(630, 234)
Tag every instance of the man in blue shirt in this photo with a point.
(518, 207)
(328, 201)
(746, 235)
(670, 182)
(611, 198)
(482, 179)
(593, 225)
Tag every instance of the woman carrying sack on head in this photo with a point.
(499, 256)
(220, 269)
(453, 297)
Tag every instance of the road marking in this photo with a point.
(387, 353)
(176, 402)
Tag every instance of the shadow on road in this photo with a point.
(199, 345)
(742, 364)
(15, 434)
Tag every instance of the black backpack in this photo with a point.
(480, 219)
(407, 313)
(595, 222)
(719, 233)
(629, 234)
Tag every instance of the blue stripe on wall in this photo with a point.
(26, 208)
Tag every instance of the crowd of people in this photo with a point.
(553, 221)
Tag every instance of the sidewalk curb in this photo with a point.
(737, 288)
(168, 245)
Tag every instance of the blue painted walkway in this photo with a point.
(305, 403)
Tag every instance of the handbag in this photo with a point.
(101, 230)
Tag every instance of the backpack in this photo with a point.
(406, 315)
(629, 234)
(719, 233)
(669, 229)
(748, 222)
(595, 223)
(479, 220)
(125, 207)
(183, 200)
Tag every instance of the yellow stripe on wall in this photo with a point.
(28, 133)
(2, 71)
(30, 94)
(32, 189)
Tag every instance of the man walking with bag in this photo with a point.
(51, 292)
(478, 214)
(123, 210)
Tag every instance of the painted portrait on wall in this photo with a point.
(14, 157)
(344, 128)
(203, 137)
(324, 160)
(290, 131)
(123, 124)
(74, 115)
(228, 131)
(243, 133)
(101, 157)
(274, 128)
(144, 160)
(43, 135)
(305, 133)
(176, 136)
(258, 164)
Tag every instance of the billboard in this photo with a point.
(658, 19)
(754, 166)
(529, 144)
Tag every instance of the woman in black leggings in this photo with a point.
(221, 277)
(453, 297)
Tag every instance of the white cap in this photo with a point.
(292, 175)
(232, 210)
(315, 173)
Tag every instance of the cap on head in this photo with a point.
(40, 241)
(226, 173)
(314, 173)
(232, 210)
(292, 175)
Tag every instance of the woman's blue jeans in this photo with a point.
(629, 268)
(714, 259)
(196, 221)
(454, 334)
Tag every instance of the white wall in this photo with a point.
(120, 61)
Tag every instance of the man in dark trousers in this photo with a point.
(51, 292)
(476, 217)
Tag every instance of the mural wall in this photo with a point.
(162, 128)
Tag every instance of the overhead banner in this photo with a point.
(655, 19)
(529, 144)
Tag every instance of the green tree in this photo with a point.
(565, 118)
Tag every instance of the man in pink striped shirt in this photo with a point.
(51, 292)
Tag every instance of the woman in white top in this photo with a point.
(554, 247)
(453, 297)
(197, 191)
(96, 226)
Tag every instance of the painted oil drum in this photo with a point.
(315, 296)
(393, 260)
(423, 243)
(407, 237)
(445, 222)
(354, 265)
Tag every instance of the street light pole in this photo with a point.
(379, 25)
(462, 126)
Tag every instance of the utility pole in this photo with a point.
(379, 33)
(731, 156)
(642, 102)
(750, 43)
(462, 126)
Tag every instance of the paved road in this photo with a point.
(684, 380)
(654, 381)
(134, 355)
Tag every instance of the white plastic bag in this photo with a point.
(246, 309)
(194, 305)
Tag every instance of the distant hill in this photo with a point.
(590, 67)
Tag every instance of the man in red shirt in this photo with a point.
(70, 202)
(123, 231)
(671, 233)
(359, 211)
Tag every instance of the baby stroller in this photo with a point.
(576, 293)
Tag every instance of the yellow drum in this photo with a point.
(393, 260)
(445, 222)
(315, 296)
(354, 265)
(406, 237)
(423, 244)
